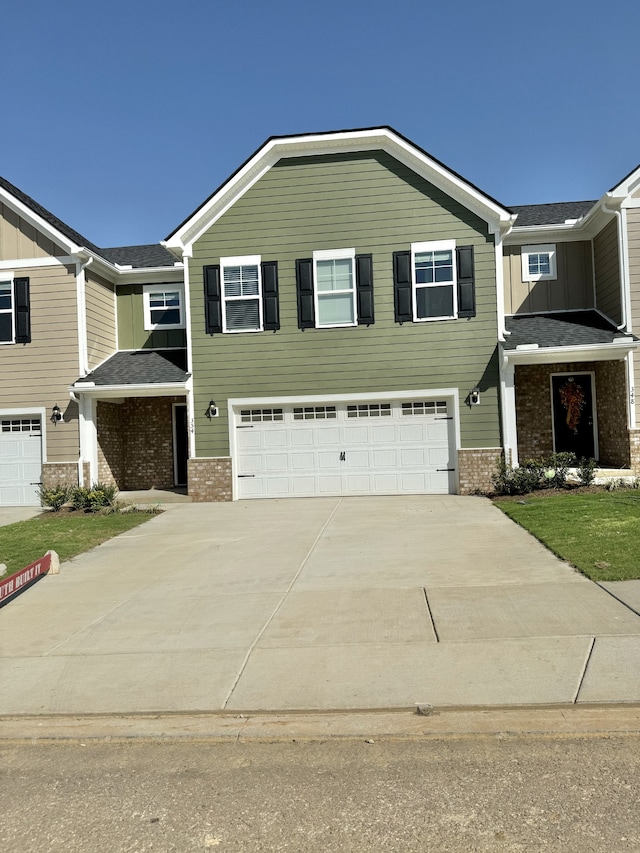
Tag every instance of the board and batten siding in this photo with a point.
(101, 319)
(571, 290)
(633, 239)
(39, 373)
(607, 271)
(19, 239)
(372, 203)
(132, 334)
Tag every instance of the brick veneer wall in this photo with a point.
(135, 442)
(534, 416)
(476, 469)
(210, 479)
(59, 473)
(634, 451)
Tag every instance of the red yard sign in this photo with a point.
(18, 581)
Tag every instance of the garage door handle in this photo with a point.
(35, 484)
(343, 456)
(445, 469)
(241, 476)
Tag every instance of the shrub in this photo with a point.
(95, 498)
(586, 471)
(54, 497)
(557, 468)
(79, 497)
(518, 481)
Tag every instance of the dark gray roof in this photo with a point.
(142, 367)
(562, 329)
(550, 214)
(150, 255)
(139, 257)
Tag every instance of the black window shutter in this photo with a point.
(402, 286)
(304, 285)
(364, 289)
(270, 306)
(22, 310)
(212, 299)
(466, 282)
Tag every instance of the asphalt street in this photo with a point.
(482, 793)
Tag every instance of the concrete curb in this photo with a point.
(557, 721)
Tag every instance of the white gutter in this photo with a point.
(624, 267)
(160, 389)
(590, 352)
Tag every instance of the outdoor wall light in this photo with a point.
(474, 396)
(56, 415)
(212, 410)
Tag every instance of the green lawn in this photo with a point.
(598, 533)
(66, 533)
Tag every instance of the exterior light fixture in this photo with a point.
(56, 415)
(474, 396)
(212, 410)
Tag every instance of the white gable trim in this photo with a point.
(38, 222)
(331, 143)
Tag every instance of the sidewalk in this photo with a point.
(316, 605)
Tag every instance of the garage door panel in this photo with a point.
(348, 454)
(20, 461)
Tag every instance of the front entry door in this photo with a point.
(573, 427)
(180, 444)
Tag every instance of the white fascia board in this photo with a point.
(533, 234)
(38, 222)
(591, 352)
(319, 144)
(166, 389)
(627, 186)
(150, 275)
(36, 263)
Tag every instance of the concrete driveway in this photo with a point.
(316, 604)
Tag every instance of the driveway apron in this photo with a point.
(329, 603)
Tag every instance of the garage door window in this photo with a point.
(428, 407)
(260, 415)
(369, 410)
(21, 425)
(315, 413)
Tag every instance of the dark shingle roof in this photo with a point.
(565, 329)
(152, 255)
(550, 214)
(142, 367)
(149, 255)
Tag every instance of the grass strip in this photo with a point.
(597, 533)
(68, 534)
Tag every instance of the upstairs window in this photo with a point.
(434, 280)
(163, 306)
(539, 262)
(15, 310)
(241, 294)
(335, 290)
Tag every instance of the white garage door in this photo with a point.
(20, 461)
(383, 448)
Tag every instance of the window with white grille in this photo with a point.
(426, 407)
(242, 291)
(369, 410)
(315, 413)
(21, 425)
(260, 415)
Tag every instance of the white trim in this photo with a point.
(500, 301)
(334, 255)
(81, 307)
(591, 352)
(539, 249)
(29, 263)
(626, 277)
(38, 222)
(594, 408)
(31, 410)
(239, 261)
(631, 392)
(162, 287)
(174, 432)
(509, 423)
(434, 246)
(99, 392)
(332, 143)
(9, 277)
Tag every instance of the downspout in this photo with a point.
(624, 267)
(187, 253)
(83, 355)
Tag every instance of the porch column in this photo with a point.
(509, 428)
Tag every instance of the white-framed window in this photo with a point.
(7, 322)
(241, 294)
(335, 287)
(433, 269)
(163, 306)
(539, 262)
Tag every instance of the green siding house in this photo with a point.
(344, 293)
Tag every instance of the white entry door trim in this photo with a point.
(450, 395)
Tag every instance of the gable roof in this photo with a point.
(140, 367)
(562, 329)
(335, 142)
(137, 257)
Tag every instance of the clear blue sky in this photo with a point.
(122, 117)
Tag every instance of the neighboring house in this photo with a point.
(344, 316)
(70, 315)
